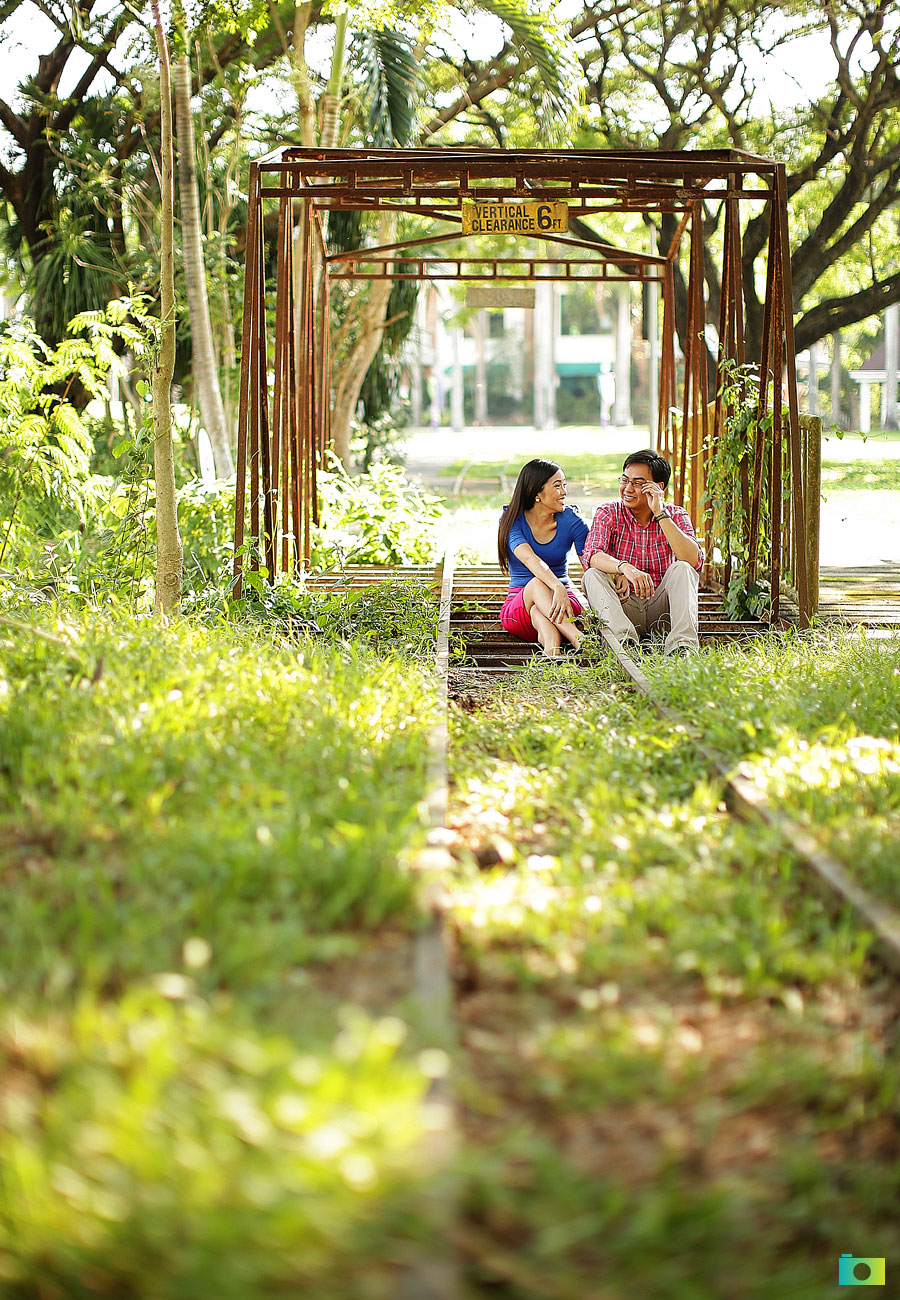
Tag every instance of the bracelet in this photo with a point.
(665, 515)
(619, 565)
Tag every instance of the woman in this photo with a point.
(537, 531)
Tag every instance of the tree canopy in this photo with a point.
(79, 130)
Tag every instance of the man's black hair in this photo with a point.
(659, 467)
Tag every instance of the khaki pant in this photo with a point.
(673, 607)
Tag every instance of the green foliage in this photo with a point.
(76, 265)
(545, 44)
(377, 518)
(206, 524)
(393, 88)
(47, 448)
(377, 438)
(345, 230)
(730, 474)
(389, 618)
(94, 536)
(47, 490)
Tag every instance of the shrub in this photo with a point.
(378, 518)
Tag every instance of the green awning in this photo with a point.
(567, 369)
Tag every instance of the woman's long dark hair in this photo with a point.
(532, 478)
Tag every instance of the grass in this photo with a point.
(675, 1058)
(825, 745)
(207, 782)
(600, 473)
(860, 475)
(194, 824)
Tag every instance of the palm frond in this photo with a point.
(545, 47)
(392, 90)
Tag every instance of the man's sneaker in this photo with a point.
(685, 651)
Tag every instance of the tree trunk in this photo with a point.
(305, 109)
(331, 98)
(353, 369)
(169, 552)
(480, 329)
(836, 407)
(212, 412)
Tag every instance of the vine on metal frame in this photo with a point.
(729, 474)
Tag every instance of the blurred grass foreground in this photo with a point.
(192, 823)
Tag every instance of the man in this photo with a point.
(642, 560)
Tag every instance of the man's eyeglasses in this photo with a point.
(625, 481)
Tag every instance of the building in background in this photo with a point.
(577, 357)
(880, 369)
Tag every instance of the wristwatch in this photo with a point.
(665, 515)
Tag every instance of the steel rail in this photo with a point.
(433, 1270)
(475, 601)
(751, 803)
(436, 1274)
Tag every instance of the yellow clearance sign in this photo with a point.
(514, 218)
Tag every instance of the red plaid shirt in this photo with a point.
(616, 531)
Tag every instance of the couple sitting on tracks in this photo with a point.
(641, 558)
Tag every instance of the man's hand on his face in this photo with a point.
(654, 494)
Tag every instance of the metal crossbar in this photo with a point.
(284, 421)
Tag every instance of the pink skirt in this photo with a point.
(516, 618)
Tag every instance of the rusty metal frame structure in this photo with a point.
(284, 415)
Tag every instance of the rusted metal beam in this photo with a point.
(608, 252)
(436, 268)
(280, 445)
(797, 478)
(244, 399)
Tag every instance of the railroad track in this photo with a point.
(478, 594)
(470, 615)
(470, 637)
(469, 600)
(487, 995)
